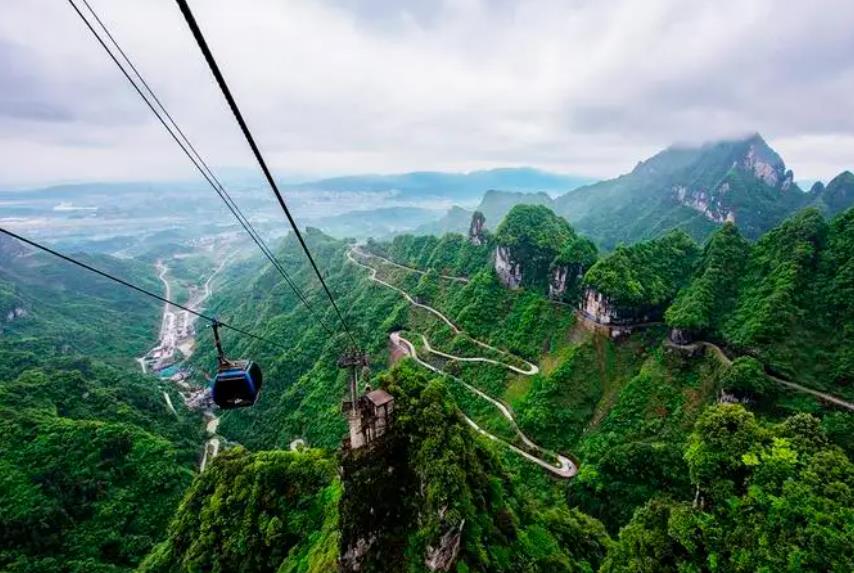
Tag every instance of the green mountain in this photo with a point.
(837, 196)
(494, 205)
(793, 284)
(641, 418)
(92, 461)
(58, 308)
(521, 437)
(448, 495)
(644, 278)
(695, 189)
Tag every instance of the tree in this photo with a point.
(746, 378)
(722, 435)
(713, 290)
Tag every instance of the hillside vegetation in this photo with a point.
(92, 462)
(788, 299)
(686, 461)
(693, 188)
(630, 411)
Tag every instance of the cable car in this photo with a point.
(237, 382)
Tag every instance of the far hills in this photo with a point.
(459, 186)
(695, 189)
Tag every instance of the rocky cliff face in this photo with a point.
(509, 271)
(15, 313)
(557, 282)
(444, 555)
(765, 165)
(741, 180)
(750, 160)
(680, 336)
(476, 228)
(710, 204)
(597, 306)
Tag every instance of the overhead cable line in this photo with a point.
(226, 92)
(190, 151)
(130, 285)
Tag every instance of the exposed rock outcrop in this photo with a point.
(705, 203)
(752, 159)
(509, 271)
(17, 312)
(765, 167)
(351, 558)
(557, 282)
(597, 307)
(600, 314)
(442, 557)
(680, 336)
(476, 228)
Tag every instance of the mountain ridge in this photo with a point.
(450, 184)
(696, 188)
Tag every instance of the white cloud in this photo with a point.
(344, 86)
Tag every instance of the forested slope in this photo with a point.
(631, 411)
(48, 306)
(432, 491)
(92, 461)
(673, 476)
(788, 299)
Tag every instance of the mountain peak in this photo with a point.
(838, 195)
(765, 163)
(843, 178)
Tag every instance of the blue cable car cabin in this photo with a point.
(237, 382)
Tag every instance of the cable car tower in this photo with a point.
(369, 414)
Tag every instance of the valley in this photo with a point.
(555, 399)
(170, 358)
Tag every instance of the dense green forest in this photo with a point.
(788, 299)
(628, 410)
(92, 462)
(645, 277)
(285, 511)
(52, 307)
(686, 461)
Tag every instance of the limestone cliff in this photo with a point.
(745, 167)
(557, 283)
(476, 228)
(598, 307)
(509, 271)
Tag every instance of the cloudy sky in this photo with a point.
(348, 86)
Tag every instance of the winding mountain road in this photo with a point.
(727, 361)
(529, 371)
(565, 467)
(531, 368)
(411, 269)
